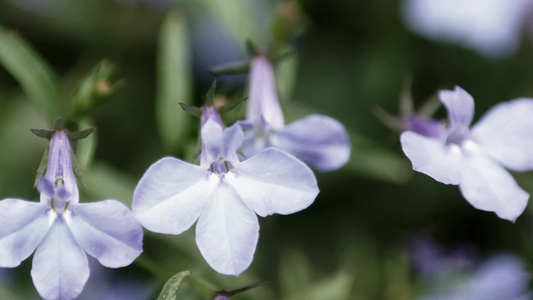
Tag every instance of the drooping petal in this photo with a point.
(491, 27)
(211, 143)
(171, 195)
(433, 157)
(263, 95)
(227, 232)
(505, 132)
(274, 181)
(107, 231)
(60, 267)
(232, 140)
(23, 225)
(460, 107)
(318, 140)
(488, 186)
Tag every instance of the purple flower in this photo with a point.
(61, 230)
(491, 27)
(475, 159)
(318, 140)
(223, 194)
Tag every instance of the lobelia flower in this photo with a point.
(491, 27)
(457, 276)
(475, 158)
(61, 230)
(223, 194)
(318, 140)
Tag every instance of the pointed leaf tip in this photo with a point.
(191, 110)
(78, 135)
(43, 133)
(172, 286)
(210, 96)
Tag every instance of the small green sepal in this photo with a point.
(170, 289)
(43, 133)
(252, 48)
(191, 110)
(42, 167)
(232, 106)
(78, 135)
(210, 96)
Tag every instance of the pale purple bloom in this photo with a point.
(223, 194)
(318, 140)
(61, 230)
(491, 27)
(503, 276)
(475, 158)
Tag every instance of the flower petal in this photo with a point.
(488, 186)
(506, 131)
(107, 231)
(274, 181)
(211, 143)
(318, 140)
(263, 95)
(227, 232)
(23, 225)
(60, 268)
(432, 157)
(460, 107)
(232, 140)
(171, 195)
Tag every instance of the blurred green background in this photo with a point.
(348, 57)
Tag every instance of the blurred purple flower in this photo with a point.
(475, 159)
(491, 27)
(222, 194)
(61, 230)
(318, 140)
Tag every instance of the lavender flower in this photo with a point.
(61, 230)
(318, 140)
(491, 27)
(223, 194)
(475, 159)
(457, 275)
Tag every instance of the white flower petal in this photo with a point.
(171, 195)
(488, 186)
(506, 133)
(432, 157)
(232, 140)
(227, 232)
(107, 231)
(460, 107)
(274, 181)
(60, 267)
(212, 143)
(23, 225)
(320, 141)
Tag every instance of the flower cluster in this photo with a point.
(61, 230)
(475, 158)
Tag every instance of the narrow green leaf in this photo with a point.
(171, 287)
(78, 135)
(174, 79)
(31, 72)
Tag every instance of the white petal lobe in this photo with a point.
(107, 231)
(274, 181)
(171, 195)
(60, 267)
(227, 232)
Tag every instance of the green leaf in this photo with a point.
(171, 287)
(174, 79)
(31, 72)
(85, 149)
